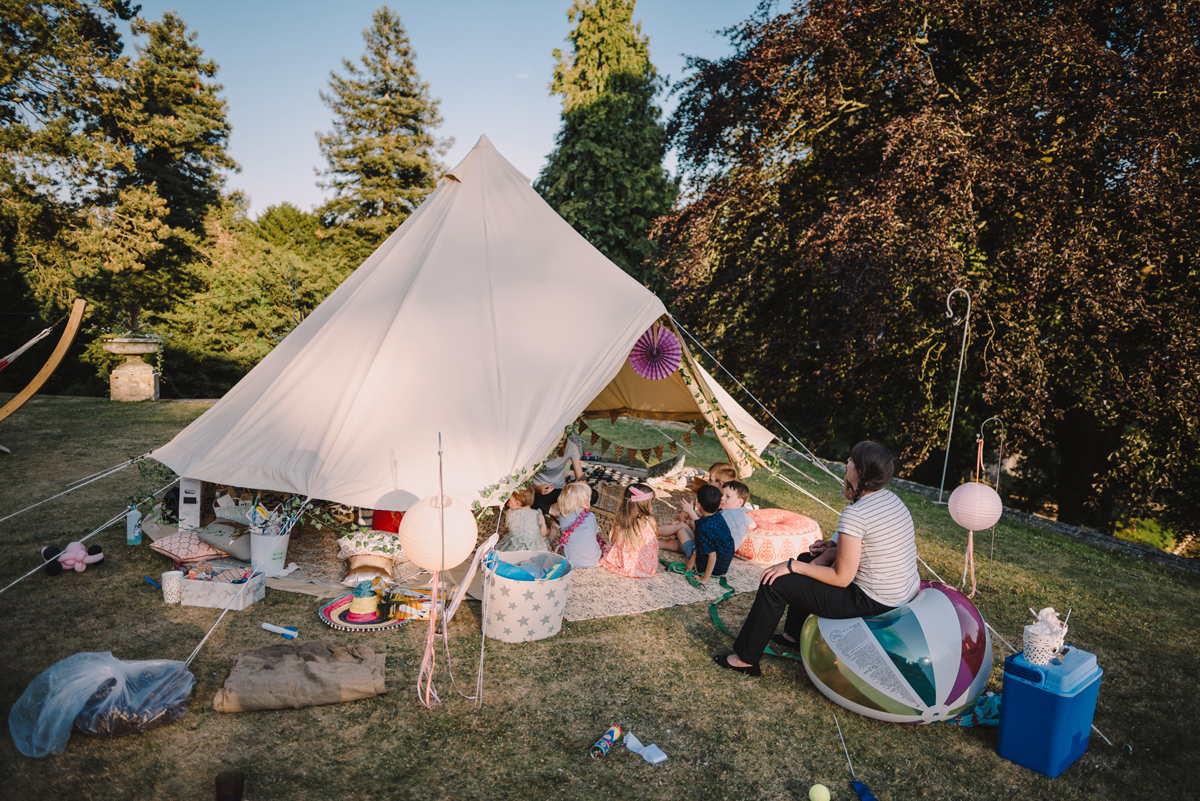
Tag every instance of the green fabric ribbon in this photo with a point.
(680, 568)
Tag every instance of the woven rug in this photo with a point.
(601, 593)
(594, 593)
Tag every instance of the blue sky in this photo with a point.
(489, 62)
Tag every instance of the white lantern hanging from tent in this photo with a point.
(975, 506)
(421, 532)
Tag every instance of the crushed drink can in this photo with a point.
(602, 746)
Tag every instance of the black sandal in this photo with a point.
(779, 639)
(750, 670)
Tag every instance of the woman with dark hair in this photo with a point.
(870, 567)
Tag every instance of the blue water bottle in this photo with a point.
(133, 526)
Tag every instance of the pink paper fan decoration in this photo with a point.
(656, 355)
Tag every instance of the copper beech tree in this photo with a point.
(851, 163)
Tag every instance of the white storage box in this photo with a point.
(218, 594)
(523, 611)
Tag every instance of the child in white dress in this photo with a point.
(526, 527)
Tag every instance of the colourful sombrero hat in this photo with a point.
(336, 613)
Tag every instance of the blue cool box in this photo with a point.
(1046, 711)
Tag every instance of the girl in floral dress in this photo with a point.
(634, 551)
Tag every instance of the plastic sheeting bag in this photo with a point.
(97, 694)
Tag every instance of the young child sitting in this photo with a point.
(673, 535)
(733, 502)
(678, 536)
(634, 550)
(526, 526)
(579, 535)
(718, 474)
(713, 549)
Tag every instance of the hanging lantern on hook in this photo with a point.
(975, 506)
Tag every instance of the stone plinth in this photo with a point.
(134, 380)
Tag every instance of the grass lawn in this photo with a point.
(545, 703)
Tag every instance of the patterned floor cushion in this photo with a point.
(780, 535)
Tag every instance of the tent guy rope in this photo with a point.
(83, 482)
(1000, 637)
(93, 533)
(812, 457)
(289, 522)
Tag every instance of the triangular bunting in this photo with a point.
(700, 428)
(646, 455)
(582, 425)
(658, 452)
(613, 415)
(674, 447)
(687, 438)
(632, 456)
(595, 437)
(619, 451)
(604, 446)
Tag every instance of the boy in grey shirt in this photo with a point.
(733, 502)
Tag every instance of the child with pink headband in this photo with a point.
(634, 550)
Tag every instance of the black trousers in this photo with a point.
(800, 596)
(543, 502)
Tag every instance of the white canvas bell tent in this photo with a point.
(484, 318)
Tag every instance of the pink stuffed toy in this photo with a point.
(74, 557)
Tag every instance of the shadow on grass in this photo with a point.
(546, 702)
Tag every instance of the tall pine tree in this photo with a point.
(382, 154)
(135, 251)
(605, 176)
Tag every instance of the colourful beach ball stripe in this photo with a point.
(919, 663)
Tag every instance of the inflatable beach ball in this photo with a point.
(922, 662)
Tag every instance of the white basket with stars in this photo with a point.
(524, 611)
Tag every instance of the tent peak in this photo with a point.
(485, 150)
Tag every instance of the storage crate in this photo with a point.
(218, 594)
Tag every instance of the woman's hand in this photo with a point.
(819, 547)
(775, 571)
(543, 489)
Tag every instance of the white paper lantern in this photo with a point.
(421, 533)
(975, 506)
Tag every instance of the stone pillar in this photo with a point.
(134, 380)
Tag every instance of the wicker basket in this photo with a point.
(1041, 648)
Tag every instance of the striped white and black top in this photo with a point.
(888, 569)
